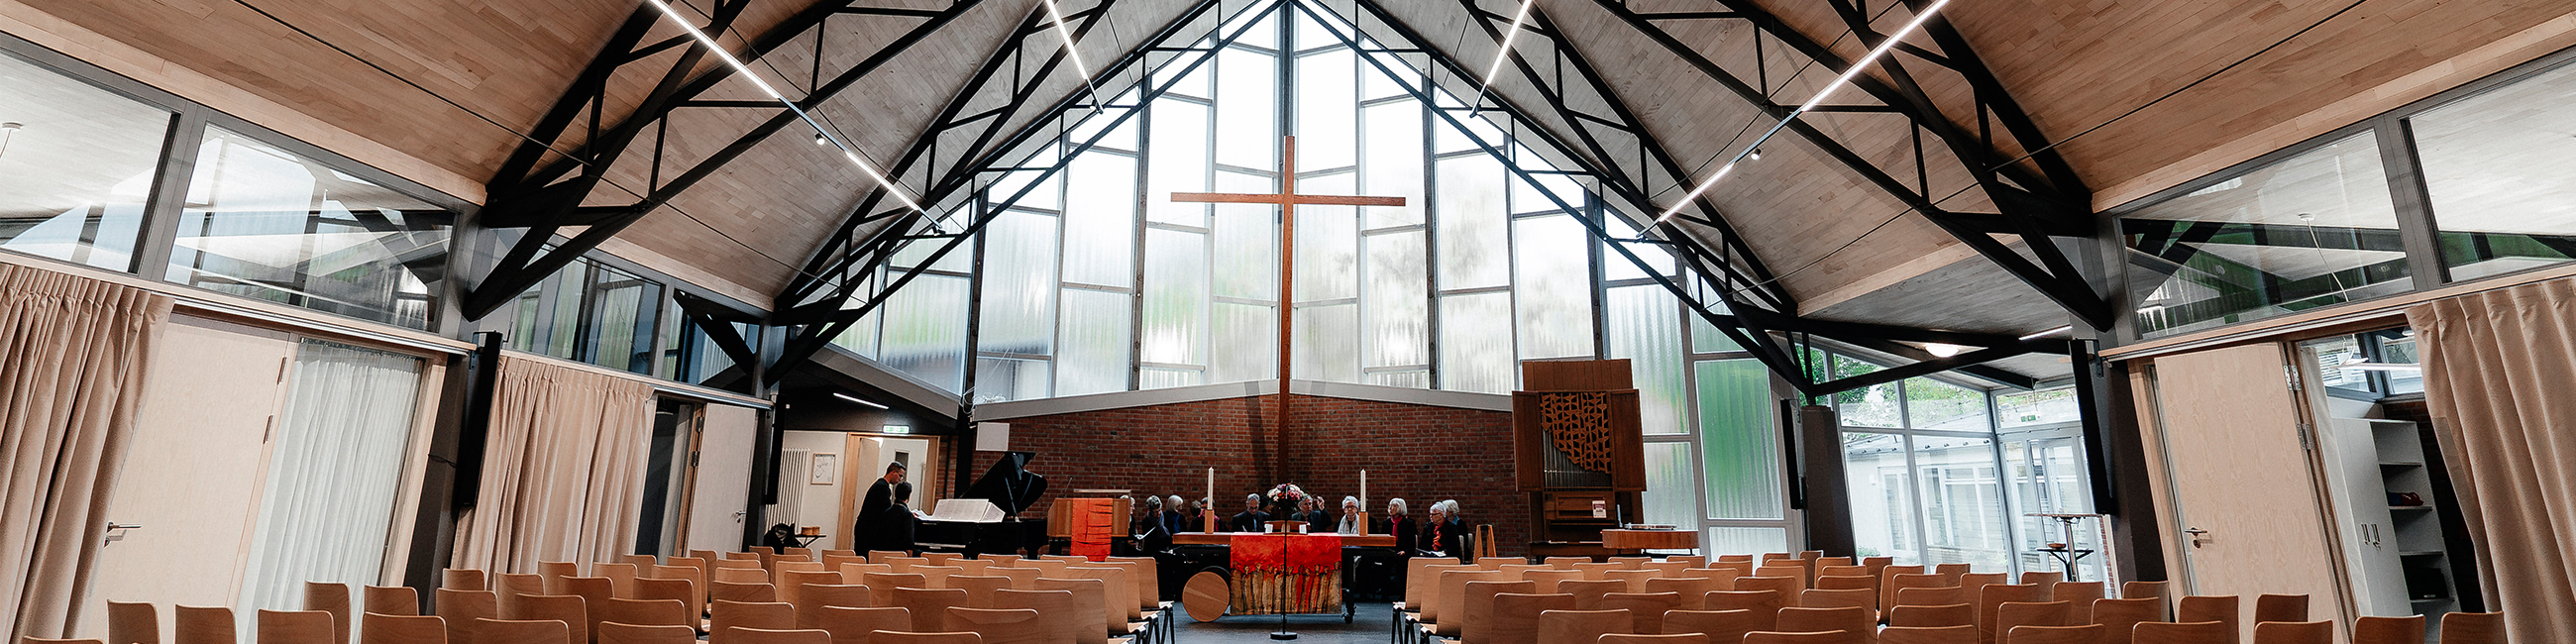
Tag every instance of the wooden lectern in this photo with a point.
(1579, 448)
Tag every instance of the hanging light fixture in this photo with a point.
(819, 133)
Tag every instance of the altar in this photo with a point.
(1272, 573)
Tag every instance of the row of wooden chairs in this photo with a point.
(1528, 619)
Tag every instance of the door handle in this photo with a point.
(738, 515)
(111, 525)
(2199, 537)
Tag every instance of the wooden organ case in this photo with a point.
(1577, 442)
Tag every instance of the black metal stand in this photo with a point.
(1283, 633)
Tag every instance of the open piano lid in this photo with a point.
(1008, 485)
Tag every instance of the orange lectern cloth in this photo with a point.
(1095, 523)
(1287, 573)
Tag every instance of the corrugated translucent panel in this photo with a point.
(1553, 272)
(913, 253)
(1246, 251)
(1746, 541)
(1873, 406)
(1179, 162)
(1446, 138)
(1122, 137)
(1176, 297)
(1397, 299)
(1963, 506)
(1327, 110)
(925, 330)
(1100, 220)
(1244, 348)
(1932, 404)
(1705, 337)
(1247, 95)
(1327, 343)
(1645, 328)
(1471, 357)
(1168, 377)
(861, 338)
(1409, 379)
(1881, 509)
(1048, 194)
(1391, 149)
(1001, 379)
(1328, 253)
(1616, 267)
(1672, 491)
(1739, 444)
(1092, 343)
(1475, 246)
(1019, 285)
(1530, 197)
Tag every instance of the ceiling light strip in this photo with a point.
(1810, 105)
(745, 72)
(1519, 18)
(1057, 14)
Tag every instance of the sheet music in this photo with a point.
(967, 511)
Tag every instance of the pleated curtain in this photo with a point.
(563, 469)
(73, 354)
(2500, 382)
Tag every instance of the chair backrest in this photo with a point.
(1646, 610)
(936, 576)
(1861, 598)
(1895, 580)
(1144, 574)
(1811, 620)
(695, 576)
(2082, 594)
(2042, 577)
(734, 575)
(753, 592)
(383, 628)
(979, 588)
(1848, 582)
(1496, 563)
(1027, 578)
(1822, 637)
(1668, 568)
(1690, 588)
(389, 600)
(2473, 628)
(1077, 625)
(881, 585)
(641, 562)
(2011, 615)
(2280, 608)
(741, 635)
(1718, 625)
(333, 599)
(813, 598)
(521, 631)
(1679, 638)
(2085, 634)
(1566, 563)
(624, 633)
(1595, 569)
(1935, 617)
(854, 572)
(1960, 634)
(1050, 567)
(1782, 568)
(794, 581)
(1953, 570)
(620, 575)
(1630, 561)
(1587, 592)
(1557, 626)
(510, 586)
(1992, 597)
(2211, 608)
(293, 627)
(210, 624)
(1478, 605)
(1515, 616)
(2388, 630)
(461, 608)
(562, 608)
(2181, 633)
(1415, 580)
(1451, 598)
(1788, 587)
(1759, 601)
(880, 556)
(1000, 560)
(594, 593)
(2317, 632)
(641, 612)
(1689, 561)
(463, 579)
(728, 615)
(1636, 578)
(1724, 574)
(1116, 594)
(134, 623)
(1000, 626)
(1842, 571)
(553, 570)
(2142, 589)
(2119, 616)
(941, 558)
(1940, 596)
(852, 625)
(929, 606)
(894, 637)
(1548, 578)
(1089, 604)
(681, 590)
(1975, 580)
(835, 561)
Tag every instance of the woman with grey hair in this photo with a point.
(1350, 523)
(1176, 519)
(1399, 522)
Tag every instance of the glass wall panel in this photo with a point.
(1092, 350)
(693, 355)
(1391, 160)
(1932, 404)
(1176, 297)
(623, 309)
(1247, 106)
(1882, 509)
(1001, 379)
(1398, 305)
(264, 223)
(2315, 230)
(1672, 494)
(1245, 348)
(1874, 406)
(1327, 108)
(1100, 220)
(1179, 163)
(924, 332)
(1645, 328)
(1739, 442)
(1475, 244)
(1019, 284)
(1553, 271)
(76, 166)
(2048, 477)
(1470, 358)
(1247, 251)
(2043, 407)
(1326, 346)
(1746, 541)
(2496, 165)
(1328, 250)
(1963, 511)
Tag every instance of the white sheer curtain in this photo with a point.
(335, 470)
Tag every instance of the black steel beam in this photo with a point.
(1932, 366)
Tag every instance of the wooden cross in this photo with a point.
(1287, 200)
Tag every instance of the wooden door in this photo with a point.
(720, 494)
(2243, 488)
(193, 477)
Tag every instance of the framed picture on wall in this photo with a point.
(827, 469)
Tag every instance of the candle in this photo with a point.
(1364, 489)
(1210, 510)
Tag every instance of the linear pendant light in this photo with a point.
(1810, 105)
(745, 71)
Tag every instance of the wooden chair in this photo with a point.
(2086, 634)
(941, 558)
(1636, 578)
(1822, 637)
(2142, 589)
(751, 593)
(1588, 592)
(1723, 576)
(1941, 596)
(1992, 597)
(2081, 594)
(1960, 634)
(1627, 562)
(997, 626)
(509, 587)
(514, 631)
(679, 590)
(1951, 570)
(2182, 633)
(936, 576)
(641, 562)
(1449, 599)
(1116, 595)
(1694, 561)
(1022, 578)
(852, 625)
(1048, 567)
(1788, 587)
(999, 560)
(382, 628)
(389, 600)
(728, 615)
(461, 607)
(1477, 604)
(1647, 609)
(794, 582)
(1934, 616)
(1861, 624)
(1148, 575)
(663, 575)
(623, 633)
(2120, 617)
(1897, 582)
(1759, 601)
(1416, 598)
(2011, 615)
(2280, 608)
(894, 637)
(1066, 617)
(2211, 608)
(729, 575)
(807, 553)
(554, 569)
(1719, 625)
(1777, 569)
(463, 579)
(1089, 601)
(133, 623)
(880, 555)
(620, 576)
(813, 598)
(48, 640)
(294, 627)
(1847, 582)
(2042, 577)
(929, 607)
(881, 585)
(1515, 615)
(1672, 638)
(2317, 632)
(2388, 630)
(1842, 571)
(1735, 558)
(1975, 580)
(594, 593)
(1861, 598)
(740, 635)
(1548, 578)
(562, 608)
(1595, 570)
(2473, 628)
(642, 612)
(1558, 626)
(1692, 589)
(333, 599)
(204, 625)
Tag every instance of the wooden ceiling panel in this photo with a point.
(1973, 295)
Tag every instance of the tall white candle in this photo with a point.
(1210, 509)
(1363, 490)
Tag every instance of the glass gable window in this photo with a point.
(2313, 230)
(76, 166)
(265, 223)
(2495, 165)
(590, 312)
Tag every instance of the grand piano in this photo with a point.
(969, 525)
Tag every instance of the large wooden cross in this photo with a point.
(1287, 199)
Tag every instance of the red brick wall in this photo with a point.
(1419, 453)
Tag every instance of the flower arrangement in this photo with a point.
(1287, 496)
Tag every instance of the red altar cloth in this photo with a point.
(1096, 522)
(1291, 573)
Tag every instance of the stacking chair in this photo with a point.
(1821, 637)
(1515, 616)
(738, 575)
(2081, 595)
(1477, 604)
(2280, 608)
(1892, 578)
(2142, 589)
(2042, 577)
(1679, 638)
(1416, 598)
(880, 556)
(294, 627)
(2011, 615)
(389, 600)
(459, 607)
(1117, 597)
(1636, 578)
(1961, 634)
(2388, 630)
(1762, 602)
(1692, 561)
(208, 625)
(1646, 609)
(2182, 633)
(1450, 596)
(1861, 598)
(1811, 620)
(381, 628)
(594, 593)
(620, 576)
(1089, 599)
(2086, 634)
(929, 606)
(1953, 570)
(792, 582)
(740, 635)
(1069, 621)
(1597, 570)
(1692, 589)
(1735, 558)
(941, 558)
(1942, 596)
(1788, 587)
(1784, 569)
(1975, 580)
(642, 612)
(1548, 578)
(1588, 592)
(728, 615)
(554, 570)
(813, 598)
(1027, 578)
(1668, 568)
(693, 575)
(726, 591)
(806, 553)
(2473, 628)
(1557, 626)
(463, 579)
(623, 633)
(895, 637)
(1992, 597)
(680, 590)
(936, 576)
(562, 608)
(1845, 570)
(852, 625)
(2318, 632)
(1935, 617)
(970, 566)
(641, 562)
(1626, 562)
(332, 599)
(881, 586)
(998, 626)
(514, 631)
(833, 562)
(133, 623)
(2119, 617)
(1000, 560)
(1723, 575)
(2211, 608)
(1718, 625)
(509, 587)
(1848, 582)
(1566, 563)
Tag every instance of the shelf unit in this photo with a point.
(2393, 545)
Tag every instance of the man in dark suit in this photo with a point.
(880, 496)
(1251, 518)
(1311, 511)
(896, 525)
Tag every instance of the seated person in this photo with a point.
(896, 525)
(1444, 535)
(1153, 536)
(1311, 511)
(1251, 518)
(1350, 523)
(1400, 524)
(1175, 521)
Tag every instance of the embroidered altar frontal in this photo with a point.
(1297, 574)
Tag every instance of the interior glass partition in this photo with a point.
(77, 164)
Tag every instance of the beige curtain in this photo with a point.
(563, 469)
(2500, 379)
(73, 352)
